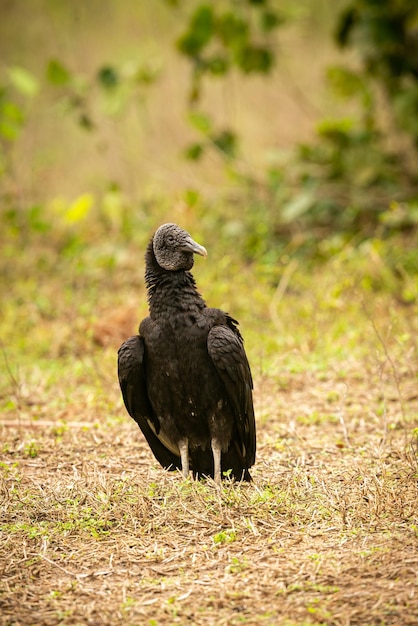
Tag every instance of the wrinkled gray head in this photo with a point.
(174, 248)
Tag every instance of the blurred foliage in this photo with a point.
(217, 40)
(360, 169)
(357, 180)
(79, 286)
(386, 37)
(356, 172)
(220, 38)
(18, 87)
(109, 92)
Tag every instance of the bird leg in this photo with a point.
(216, 451)
(184, 455)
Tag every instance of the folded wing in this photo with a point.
(132, 380)
(227, 352)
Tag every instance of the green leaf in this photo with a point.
(86, 122)
(255, 59)
(336, 130)
(345, 82)
(38, 220)
(11, 120)
(9, 131)
(12, 112)
(191, 197)
(232, 30)
(79, 209)
(226, 141)
(201, 30)
(146, 74)
(194, 151)
(270, 20)
(108, 77)
(24, 81)
(200, 122)
(57, 74)
(348, 19)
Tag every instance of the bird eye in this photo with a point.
(170, 239)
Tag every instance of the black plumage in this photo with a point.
(185, 379)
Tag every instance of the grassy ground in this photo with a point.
(93, 532)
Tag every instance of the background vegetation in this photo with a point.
(283, 136)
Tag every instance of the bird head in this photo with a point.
(174, 248)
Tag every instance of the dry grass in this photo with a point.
(92, 533)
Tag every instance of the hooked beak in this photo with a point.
(192, 246)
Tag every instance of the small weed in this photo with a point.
(63, 615)
(317, 419)
(314, 609)
(31, 531)
(224, 536)
(59, 430)
(366, 554)
(238, 565)
(128, 603)
(32, 449)
(333, 396)
(152, 490)
(9, 468)
(85, 521)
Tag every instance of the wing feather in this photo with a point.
(227, 352)
(132, 380)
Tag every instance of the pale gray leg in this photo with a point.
(184, 455)
(216, 451)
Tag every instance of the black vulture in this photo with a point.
(185, 379)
